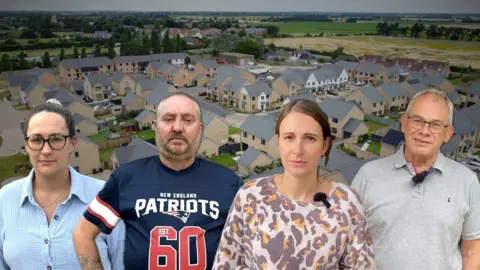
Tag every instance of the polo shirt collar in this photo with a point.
(77, 188)
(400, 160)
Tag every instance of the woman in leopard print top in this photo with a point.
(273, 223)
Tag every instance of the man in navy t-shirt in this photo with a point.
(174, 205)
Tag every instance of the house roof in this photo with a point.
(347, 64)
(85, 139)
(99, 78)
(474, 89)
(369, 68)
(77, 118)
(86, 62)
(290, 78)
(129, 98)
(338, 160)
(132, 59)
(168, 56)
(225, 71)
(352, 124)
(136, 76)
(473, 112)
(164, 67)
(155, 97)
(30, 86)
(451, 146)
(147, 84)
(207, 116)
(260, 126)
(393, 71)
(76, 86)
(418, 87)
(144, 114)
(307, 96)
(21, 80)
(336, 108)
(249, 156)
(236, 84)
(463, 123)
(136, 149)
(257, 89)
(393, 90)
(349, 172)
(431, 80)
(64, 96)
(393, 137)
(331, 71)
(209, 63)
(372, 94)
(117, 76)
(453, 96)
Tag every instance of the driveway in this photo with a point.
(10, 129)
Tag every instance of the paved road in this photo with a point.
(10, 129)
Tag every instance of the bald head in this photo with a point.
(178, 99)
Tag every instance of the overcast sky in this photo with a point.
(427, 6)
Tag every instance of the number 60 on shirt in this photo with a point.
(170, 254)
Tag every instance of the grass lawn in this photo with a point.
(100, 137)
(103, 117)
(476, 153)
(52, 52)
(233, 130)
(224, 160)
(146, 135)
(105, 154)
(7, 166)
(372, 126)
(374, 147)
(456, 81)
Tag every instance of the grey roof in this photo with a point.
(136, 149)
(453, 96)
(249, 156)
(307, 96)
(474, 89)
(137, 76)
(262, 127)
(76, 86)
(156, 65)
(129, 98)
(463, 124)
(144, 115)
(329, 71)
(64, 96)
(393, 71)
(207, 117)
(296, 77)
(369, 68)
(132, 59)
(257, 89)
(236, 84)
(148, 84)
(223, 72)
(349, 172)
(173, 70)
(336, 108)
(352, 125)
(393, 90)
(117, 76)
(85, 139)
(165, 67)
(347, 64)
(209, 63)
(338, 160)
(393, 137)
(30, 86)
(21, 80)
(86, 62)
(451, 146)
(418, 87)
(154, 97)
(372, 94)
(432, 80)
(100, 78)
(77, 118)
(168, 56)
(473, 112)
(278, 170)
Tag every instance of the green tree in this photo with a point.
(178, 44)
(249, 46)
(84, 53)
(111, 48)
(46, 60)
(62, 54)
(242, 33)
(166, 44)
(22, 63)
(155, 42)
(5, 65)
(98, 51)
(75, 52)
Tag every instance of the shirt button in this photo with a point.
(55, 217)
(46, 241)
(49, 267)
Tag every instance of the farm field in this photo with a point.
(52, 52)
(323, 27)
(458, 53)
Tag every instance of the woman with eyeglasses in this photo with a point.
(39, 212)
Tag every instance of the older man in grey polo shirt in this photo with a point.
(423, 209)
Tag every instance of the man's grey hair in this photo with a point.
(160, 104)
(439, 94)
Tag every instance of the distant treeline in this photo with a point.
(305, 18)
(431, 31)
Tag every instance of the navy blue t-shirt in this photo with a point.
(174, 219)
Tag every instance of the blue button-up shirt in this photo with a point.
(28, 242)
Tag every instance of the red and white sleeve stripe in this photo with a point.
(104, 212)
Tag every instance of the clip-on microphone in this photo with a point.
(420, 177)
(321, 197)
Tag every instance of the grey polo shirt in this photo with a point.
(419, 227)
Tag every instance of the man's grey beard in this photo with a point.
(171, 154)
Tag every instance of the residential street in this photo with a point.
(10, 129)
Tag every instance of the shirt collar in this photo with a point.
(401, 161)
(76, 189)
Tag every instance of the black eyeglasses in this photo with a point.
(434, 126)
(56, 142)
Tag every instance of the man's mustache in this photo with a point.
(177, 137)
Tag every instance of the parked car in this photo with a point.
(360, 83)
(202, 94)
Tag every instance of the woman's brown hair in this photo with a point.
(311, 109)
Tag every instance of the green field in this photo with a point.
(372, 126)
(233, 130)
(324, 27)
(7, 166)
(224, 160)
(146, 135)
(52, 52)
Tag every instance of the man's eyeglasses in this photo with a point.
(434, 126)
(56, 142)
